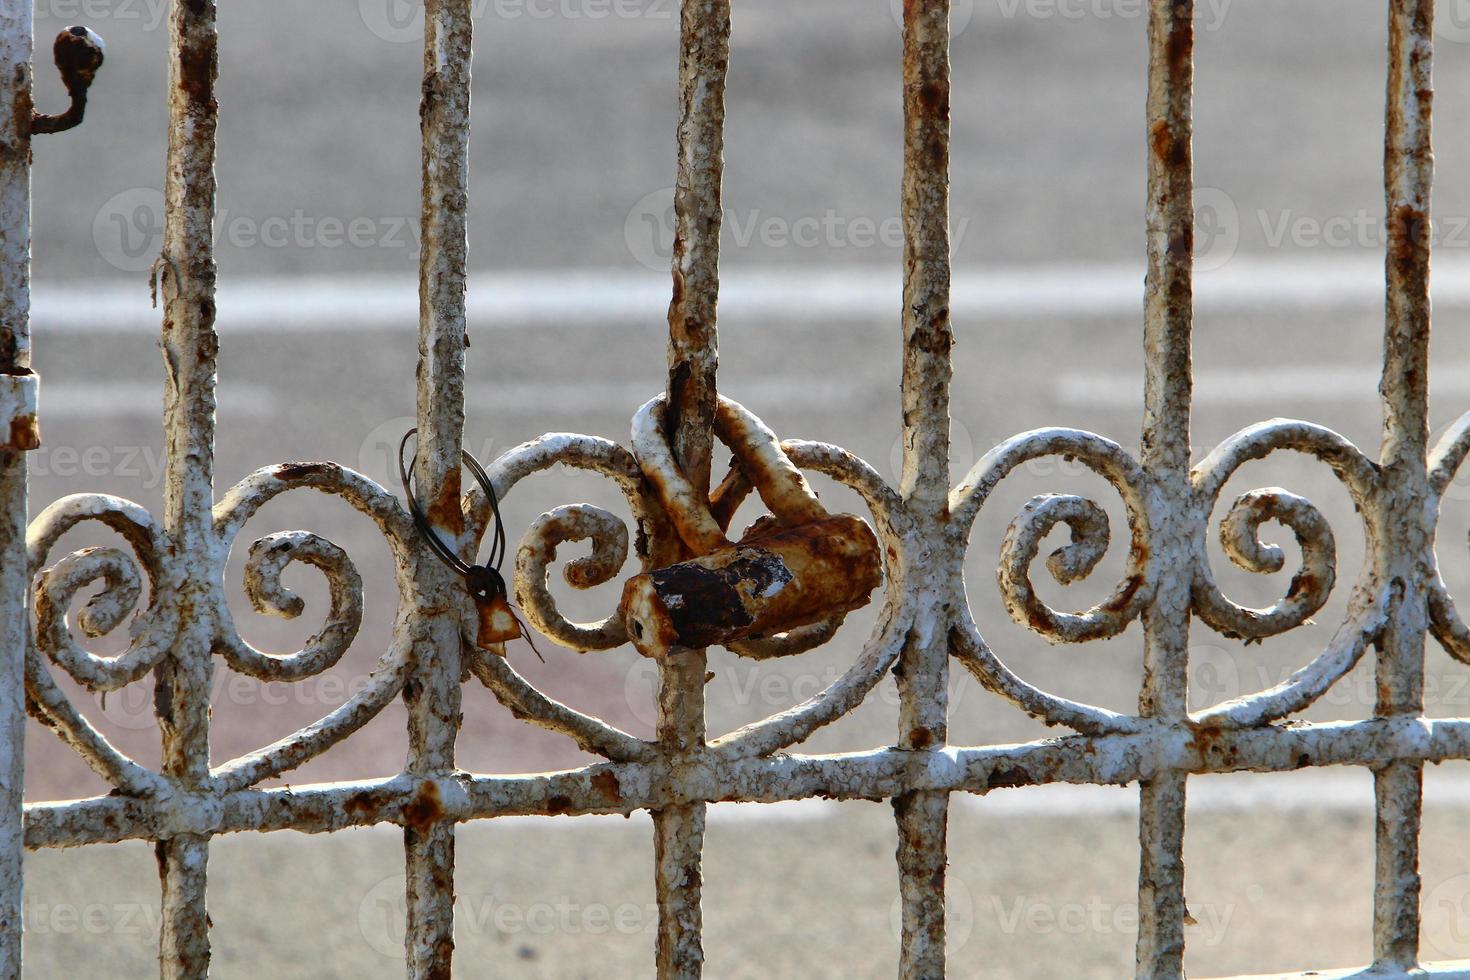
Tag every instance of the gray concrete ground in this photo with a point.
(573, 157)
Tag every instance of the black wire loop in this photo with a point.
(483, 581)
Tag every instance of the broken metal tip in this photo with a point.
(78, 53)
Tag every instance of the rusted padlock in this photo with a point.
(798, 567)
(497, 622)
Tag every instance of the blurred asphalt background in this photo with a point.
(574, 109)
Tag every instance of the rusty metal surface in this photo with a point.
(434, 624)
(20, 427)
(1167, 332)
(190, 347)
(929, 569)
(15, 373)
(778, 590)
(693, 355)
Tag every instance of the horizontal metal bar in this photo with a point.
(625, 787)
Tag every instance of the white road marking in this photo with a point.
(144, 400)
(621, 397)
(595, 298)
(1256, 385)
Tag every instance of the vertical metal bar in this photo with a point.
(433, 694)
(190, 347)
(923, 670)
(1168, 324)
(15, 359)
(704, 54)
(1405, 562)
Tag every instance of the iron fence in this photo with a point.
(780, 590)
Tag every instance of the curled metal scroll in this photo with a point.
(1240, 536)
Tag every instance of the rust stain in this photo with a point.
(25, 434)
(425, 809)
(1304, 583)
(1181, 247)
(677, 303)
(1009, 776)
(1211, 741)
(934, 98)
(301, 471)
(359, 806)
(1408, 237)
(198, 65)
(445, 510)
(20, 106)
(1037, 617)
(607, 784)
(1179, 48)
(1170, 151)
(1125, 594)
